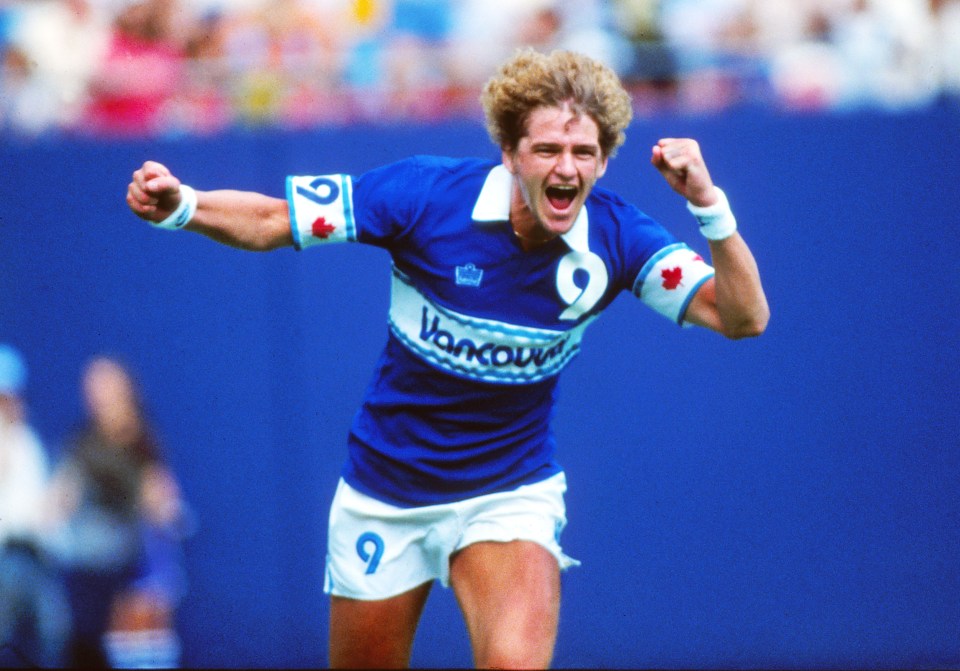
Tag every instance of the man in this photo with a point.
(497, 270)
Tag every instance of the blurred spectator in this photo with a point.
(123, 522)
(397, 66)
(27, 108)
(149, 67)
(653, 61)
(589, 27)
(706, 39)
(34, 618)
(141, 74)
(54, 48)
(885, 49)
(284, 63)
(204, 101)
(806, 69)
(946, 42)
(417, 72)
(695, 30)
(483, 33)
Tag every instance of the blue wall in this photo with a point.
(788, 501)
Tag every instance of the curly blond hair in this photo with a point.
(531, 79)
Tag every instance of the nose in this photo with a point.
(565, 166)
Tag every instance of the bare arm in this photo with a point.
(241, 219)
(733, 302)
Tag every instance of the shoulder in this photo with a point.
(608, 210)
(443, 167)
(440, 164)
(423, 179)
(22, 438)
(424, 170)
(627, 232)
(451, 164)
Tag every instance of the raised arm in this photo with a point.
(241, 219)
(733, 302)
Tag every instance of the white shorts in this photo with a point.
(376, 550)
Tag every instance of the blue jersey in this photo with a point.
(462, 396)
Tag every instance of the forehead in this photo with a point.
(561, 124)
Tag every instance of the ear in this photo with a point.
(602, 168)
(507, 156)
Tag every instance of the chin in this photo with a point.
(559, 227)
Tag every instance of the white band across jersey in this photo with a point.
(474, 348)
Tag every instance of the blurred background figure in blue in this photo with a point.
(122, 524)
(34, 619)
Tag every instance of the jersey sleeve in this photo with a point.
(665, 272)
(373, 208)
(669, 280)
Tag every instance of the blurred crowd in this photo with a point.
(91, 535)
(153, 67)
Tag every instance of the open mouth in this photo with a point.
(561, 195)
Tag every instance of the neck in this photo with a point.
(523, 222)
(528, 241)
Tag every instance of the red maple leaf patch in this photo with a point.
(321, 229)
(671, 277)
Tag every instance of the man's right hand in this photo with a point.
(154, 192)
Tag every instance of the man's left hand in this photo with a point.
(682, 165)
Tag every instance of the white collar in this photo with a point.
(493, 204)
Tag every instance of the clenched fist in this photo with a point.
(681, 164)
(154, 192)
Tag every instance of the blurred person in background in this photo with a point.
(54, 48)
(652, 77)
(413, 59)
(135, 88)
(204, 103)
(122, 522)
(27, 109)
(946, 43)
(590, 27)
(144, 67)
(283, 60)
(485, 32)
(34, 617)
(888, 52)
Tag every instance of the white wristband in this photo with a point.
(716, 221)
(181, 216)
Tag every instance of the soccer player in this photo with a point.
(498, 267)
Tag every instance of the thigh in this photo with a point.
(375, 634)
(510, 597)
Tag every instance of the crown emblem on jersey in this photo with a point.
(469, 275)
